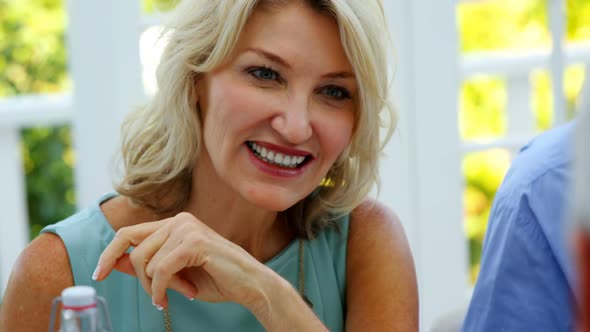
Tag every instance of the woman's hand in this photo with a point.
(183, 254)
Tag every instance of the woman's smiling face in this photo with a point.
(280, 111)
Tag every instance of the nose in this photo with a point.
(292, 122)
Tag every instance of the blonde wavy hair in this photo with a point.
(160, 139)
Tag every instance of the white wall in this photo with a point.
(422, 176)
(103, 45)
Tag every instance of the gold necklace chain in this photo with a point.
(301, 286)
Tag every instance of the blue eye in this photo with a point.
(336, 92)
(264, 73)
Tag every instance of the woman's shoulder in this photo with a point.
(84, 236)
(40, 273)
(376, 229)
(98, 222)
(373, 216)
(81, 229)
(359, 228)
(45, 260)
(43, 269)
(380, 270)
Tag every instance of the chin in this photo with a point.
(273, 200)
(274, 204)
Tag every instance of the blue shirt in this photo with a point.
(526, 277)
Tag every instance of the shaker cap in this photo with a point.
(78, 297)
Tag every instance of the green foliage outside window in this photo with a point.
(153, 6)
(33, 60)
(518, 25)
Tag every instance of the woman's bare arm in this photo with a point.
(41, 272)
(381, 287)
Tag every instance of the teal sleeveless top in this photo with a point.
(87, 233)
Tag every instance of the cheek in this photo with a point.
(223, 108)
(236, 104)
(335, 131)
(227, 99)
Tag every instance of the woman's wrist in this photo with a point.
(279, 307)
(267, 282)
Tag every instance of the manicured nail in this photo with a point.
(96, 273)
(192, 294)
(159, 307)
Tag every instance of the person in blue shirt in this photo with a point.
(526, 277)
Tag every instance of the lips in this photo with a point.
(279, 156)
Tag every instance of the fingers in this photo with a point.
(125, 238)
(124, 265)
(176, 283)
(163, 251)
(156, 255)
(182, 286)
(164, 273)
(143, 253)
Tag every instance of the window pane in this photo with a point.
(34, 61)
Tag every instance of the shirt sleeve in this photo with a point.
(521, 286)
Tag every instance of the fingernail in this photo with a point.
(192, 294)
(96, 273)
(159, 307)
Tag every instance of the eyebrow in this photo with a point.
(270, 56)
(277, 59)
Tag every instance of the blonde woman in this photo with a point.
(244, 193)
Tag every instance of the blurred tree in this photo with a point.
(33, 60)
(153, 6)
(500, 25)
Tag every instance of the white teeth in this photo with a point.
(276, 158)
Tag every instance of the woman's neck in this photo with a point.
(261, 232)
